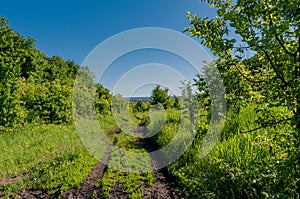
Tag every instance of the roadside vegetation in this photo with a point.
(256, 155)
(43, 157)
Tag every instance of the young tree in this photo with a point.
(189, 100)
(161, 96)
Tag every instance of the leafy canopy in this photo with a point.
(257, 45)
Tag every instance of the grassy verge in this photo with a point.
(257, 164)
(47, 157)
(51, 158)
(26, 147)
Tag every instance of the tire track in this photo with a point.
(88, 186)
(162, 188)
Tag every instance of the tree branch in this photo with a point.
(245, 47)
(278, 74)
(277, 37)
(260, 127)
(275, 69)
(299, 49)
(297, 69)
(244, 76)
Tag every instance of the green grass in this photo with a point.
(131, 173)
(52, 158)
(131, 184)
(67, 169)
(46, 157)
(26, 147)
(107, 123)
(257, 164)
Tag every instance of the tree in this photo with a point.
(269, 32)
(176, 104)
(161, 96)
(141, 106)
(13, 49)
(119, 104)
(103, 100)
(33, 87)
(189, 100)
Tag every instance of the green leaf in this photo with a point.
(221, 12)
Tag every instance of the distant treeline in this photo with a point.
(135, 99)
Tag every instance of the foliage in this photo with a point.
(141, 106)
(177, 104)
(68, 169)
(189, 100)
(119, 104)
(37, 88)
(102, 100)
(256, 44)
(25, 147)
(13, 48)
(33, 86)
(269, 32)
(161, 96)
(256, 157)
(131, 184)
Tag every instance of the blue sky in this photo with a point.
(71, 29)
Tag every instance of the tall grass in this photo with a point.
(243, 164)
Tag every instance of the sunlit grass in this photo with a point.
(45, 157)
(243, 164)
(26, 147)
